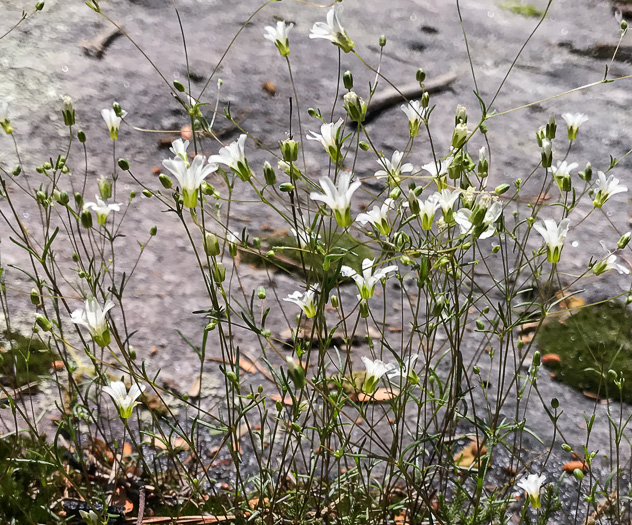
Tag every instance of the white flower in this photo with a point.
(102, 209)
(328, 137)
(279, 36)
(90, 517)
(234, 156)
(179, 149)
(479, 222)
(606, 188)
(68, 112)
(406, 371)
(378, 217)
(333, 31)
(190, 177)
(553, 236)
(338, 198)
(609, 263)
(92, 317)
(374, 371)
(113, 122)
(532, 485)
(415, 113)
(427, 211)
(125, 402)
(573, 121)
(393, 168)
(304, 300)
(438, 169)
(547, 153)
(446, 200)
(562, 174)
(367, 280)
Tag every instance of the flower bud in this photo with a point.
(334, 301)
(81, 135)
(43, 323)
(86, 219)
(382, 40)
(461, 115)
(566, 447)
(587, 173)
(363, 146)
(420, 75)
(147, 193)
(36, 300)
(219, 272)
(179, 86)
(502, 188)
(105, 187)
(413, 203)
(153, 230)
(286, 187)
(17, 170)
(39, 6)
(551, 127)
(564, 182)
(547, 153)
(425, 99)
(166, 182)
(313, 112)
(624, 26)
(347, 80)
(296, 372)
(483, 163)
(624, 240)
(211, 244)
(123, 164)
(540, 135)
(355, 107)
(555, 403)
(268, 174)
(395, 193)
(579, 474)
(537, 358)
(68, 112)
(289, 150)
(117, 109)
(261, 292)
(459, 135)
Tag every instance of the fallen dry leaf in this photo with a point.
(571, 302)
(551, 359)
(194, 391)
(379, 396)
(470, 455)
(572, 465)
(269, 87)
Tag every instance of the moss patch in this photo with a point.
(593, 341)
(522, 9)
(22, 359)
(290, 257)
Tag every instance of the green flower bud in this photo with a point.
(86, 219)
(347, 80)
(47, 166)
(363, 146)
(502, 188)
(313, 112)
(153, 230)
(587, 173)
(537, 358)
(624, 25)
(117, 109)
(480, 325)
(551, 127)
(17, 170)
(425, 99)
(420, 75)
(555, 404)
(334, 301)
(286, 187)
(459, 135)
(579, 474)
(211, 244)
(382, 40)
(289, 150)
(261, 292)
(148, 194)
(364, 308)
(81, 135)
(219, 272)
(179, 86)
(296, 372)
(355, 107)
(395, 193)
(43, 323)
(123, 164)
(132, 353)
(566, 447)
(36, 300)
(496, 249)
(39, 6)
(476, 370)
(105, 187)
(68, 112)
(166, 182)
(268, 174)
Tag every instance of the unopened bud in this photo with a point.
(261, 292)
(68, 112)
(105, 187)
(296, 372)
(382, 40)
(153, 230)
(17, 170)
(420, 75)
(123, 164)
(117, 109)
(624, 240)
(39, 6)
(425, 99)
(43, 323)
(566, 447)
(36, 300)
(289, 150)
(363, 146)
(211, 244)
(86, 219)
(551, 127)
(286, 187)
(219, 272)
(166, 182)
(334, 301)
(355, 107)
(587, 173)
(81, 135)
(268, 174)
(499, 190)
(179, 86)
(347, 80)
